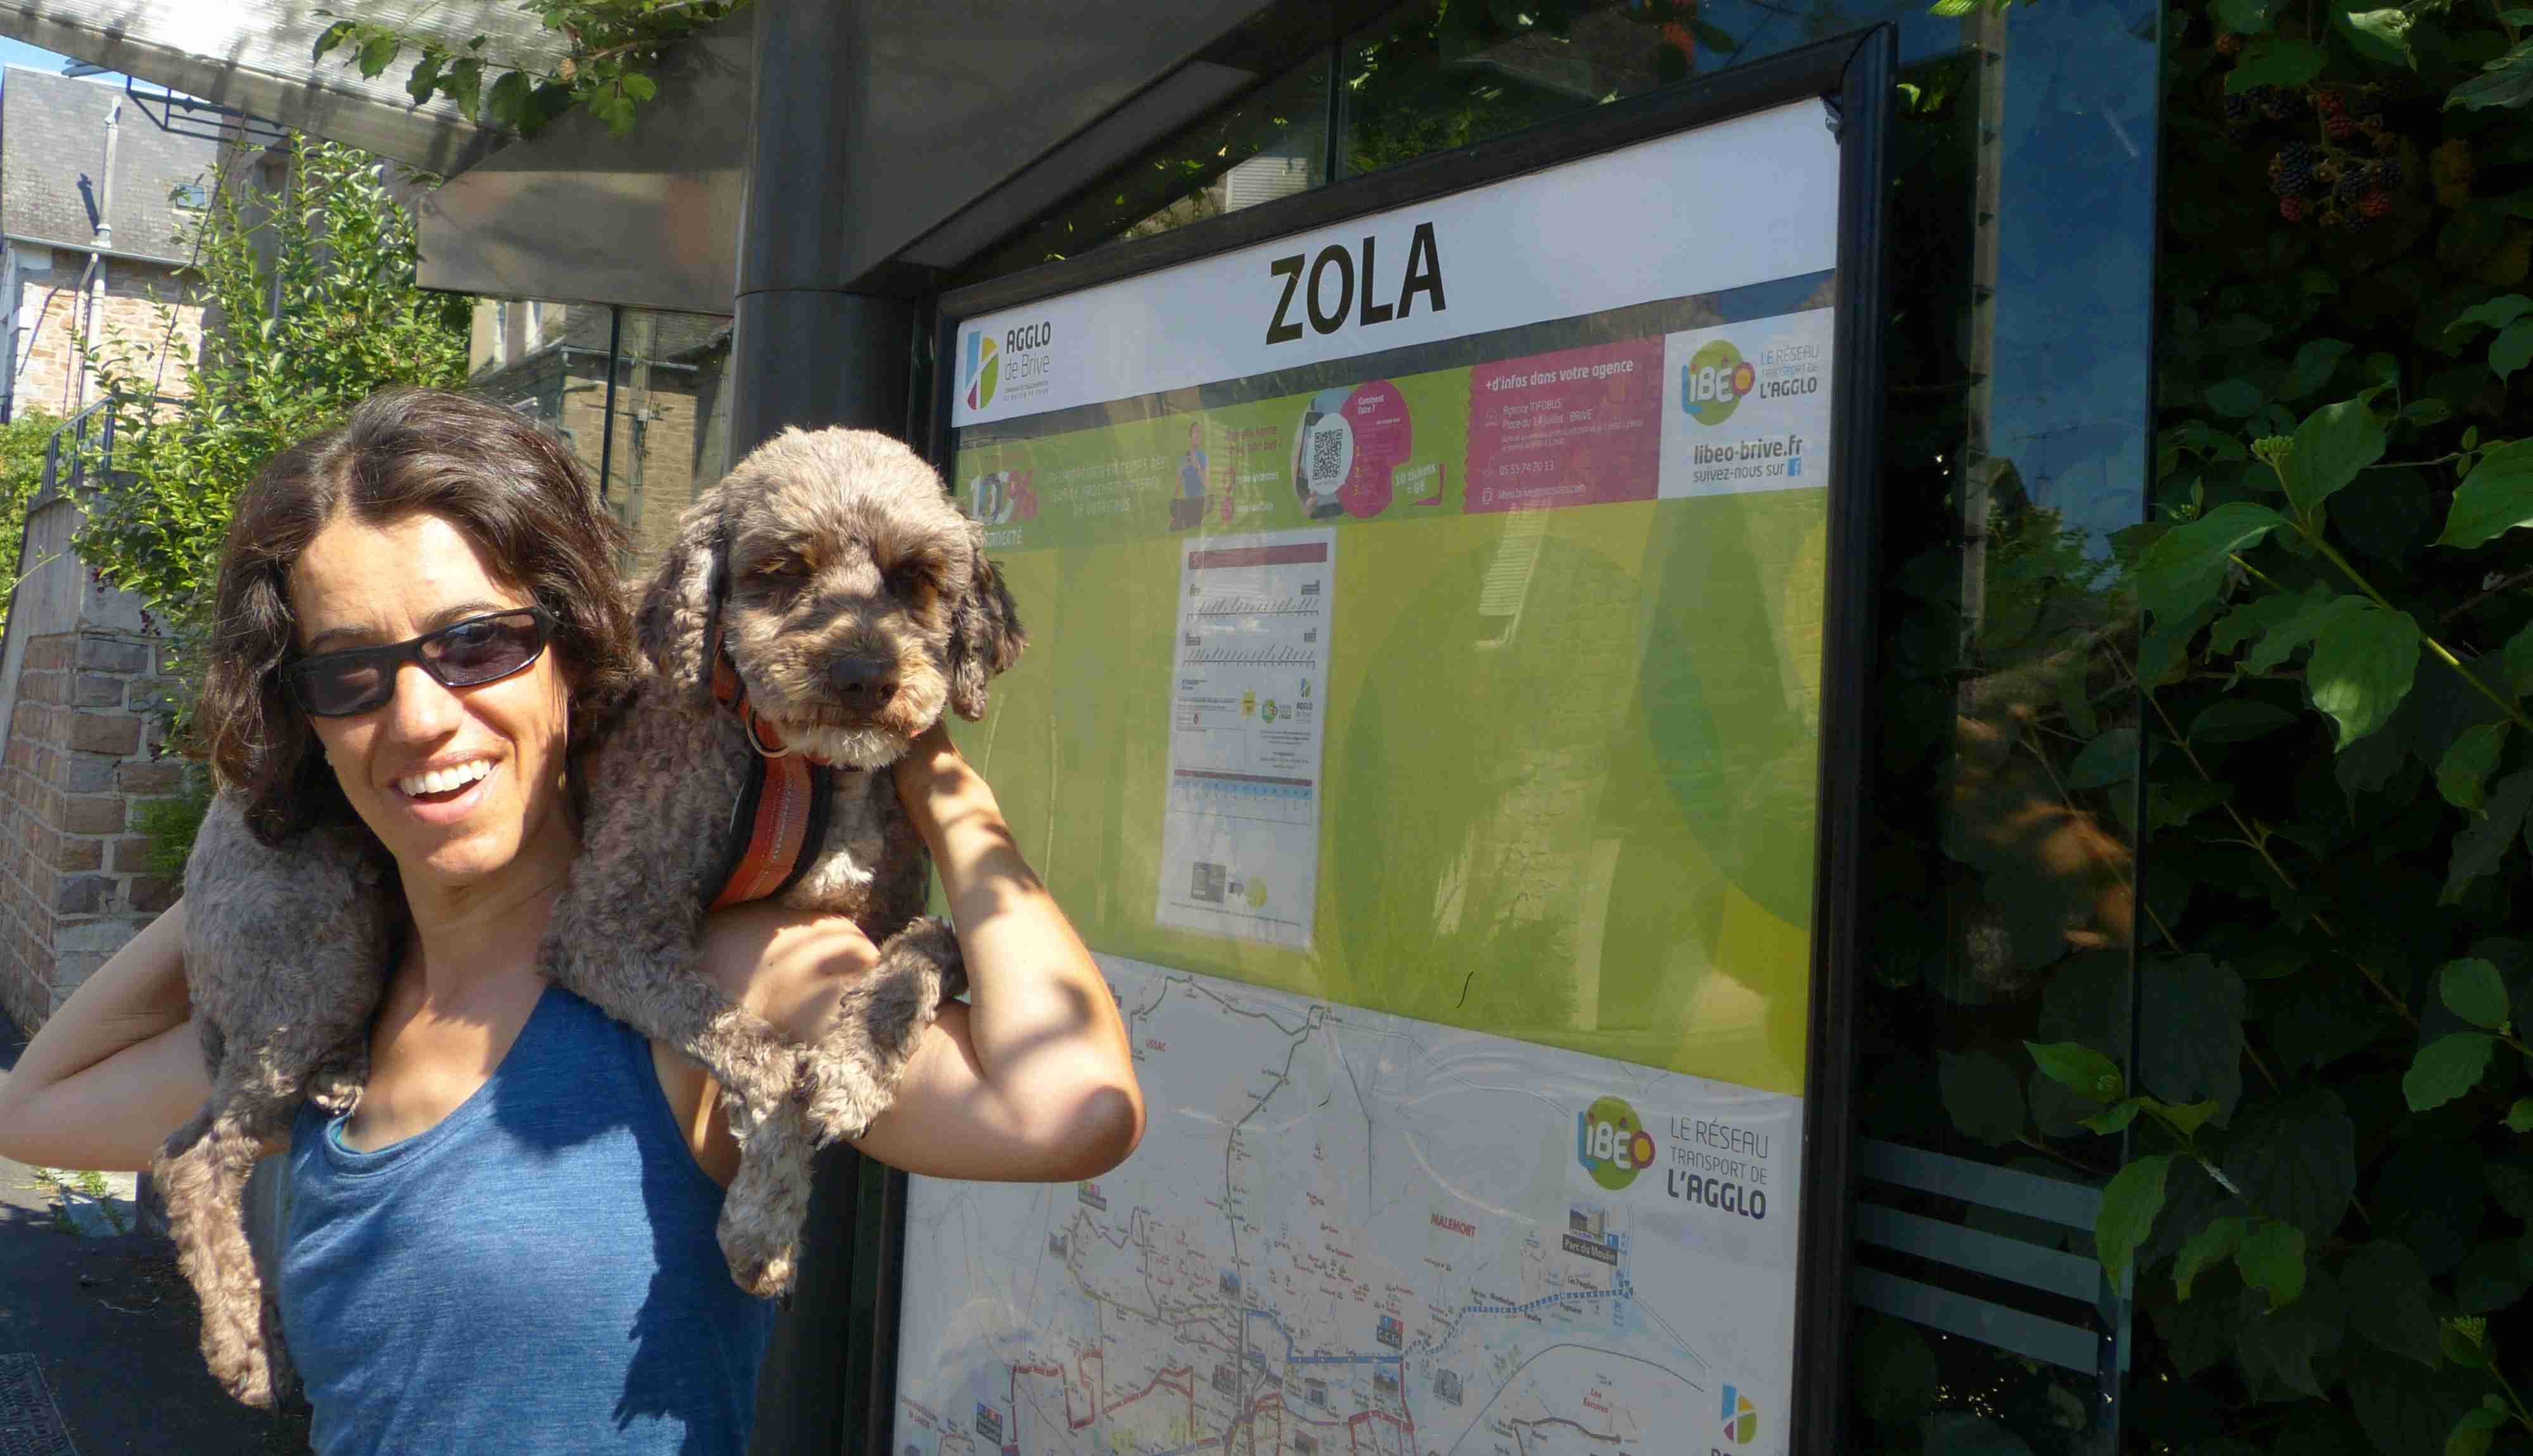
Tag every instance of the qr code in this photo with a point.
(1328, 454)
(1208, 883)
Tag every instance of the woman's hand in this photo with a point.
(1032, 1080)
(117, 1069)
(938, 789)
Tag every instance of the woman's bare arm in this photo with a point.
(116, 1069)
(1033, 1081)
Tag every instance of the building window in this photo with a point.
(192, 196)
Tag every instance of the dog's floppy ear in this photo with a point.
(985, 635)
(682, 606)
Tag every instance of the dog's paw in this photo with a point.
(927, 952)
(850, 1075)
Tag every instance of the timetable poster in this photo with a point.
(1422, 722)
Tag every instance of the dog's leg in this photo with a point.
(851, 1073)
(768, 1200)
(202, 1174)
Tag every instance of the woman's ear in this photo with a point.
(985, 635)
(681, 606)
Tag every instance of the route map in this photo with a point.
(1349, 1234)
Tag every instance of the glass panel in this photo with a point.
(1270, 143)
(669, 436)
(555, 374)
(2005, 830)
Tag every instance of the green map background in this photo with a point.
(1594, 832)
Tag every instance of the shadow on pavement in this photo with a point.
(115, 1326)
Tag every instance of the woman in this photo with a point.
(508, 1245)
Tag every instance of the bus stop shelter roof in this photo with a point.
(257, 56)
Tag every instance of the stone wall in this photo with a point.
(75, 882)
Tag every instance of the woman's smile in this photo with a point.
(446, 792)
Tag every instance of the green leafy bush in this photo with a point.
(2323, 1174)
(314, 297)
(22, 476)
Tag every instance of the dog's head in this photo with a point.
(853, 598)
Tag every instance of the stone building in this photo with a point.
(669, 436)
(84, 252)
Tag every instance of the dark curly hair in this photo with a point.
(510, 488)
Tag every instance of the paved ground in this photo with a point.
(112, 1326)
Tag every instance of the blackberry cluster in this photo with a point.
(2342, 173)
(2291, 170)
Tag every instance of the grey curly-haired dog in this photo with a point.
(855, 603)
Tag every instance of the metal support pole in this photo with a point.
(804, 348)
(808, 350)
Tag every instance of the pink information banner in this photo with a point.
(1578, 427)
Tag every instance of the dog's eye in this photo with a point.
(782, 566)
(907, 579)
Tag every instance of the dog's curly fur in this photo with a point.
(820, 548)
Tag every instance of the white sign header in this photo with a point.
(1738, 202)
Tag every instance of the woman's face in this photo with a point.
(496, 748)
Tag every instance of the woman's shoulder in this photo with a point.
(783, 966)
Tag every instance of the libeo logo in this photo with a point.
(1330, 294)
(1740, 1418)
(1611, 1143)
(1713, 381)
(983, 370)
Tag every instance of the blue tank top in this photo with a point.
(536, 1273)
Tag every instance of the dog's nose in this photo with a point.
(865, 684)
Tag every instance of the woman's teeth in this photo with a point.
(440, 780)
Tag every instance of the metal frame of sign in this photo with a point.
(1856, 74)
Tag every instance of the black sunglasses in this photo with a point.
(463, 653)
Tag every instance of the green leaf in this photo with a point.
(2364, 659)
(2498, 312)
(2473, 990)
(2117, 1116)
(2384, 1282)
(378, 52)
(2519, 1118)
(1982, 1094)
(2186, 566)
(2128, 1210)
(2332, 444)
(2295, 1159)
(2109, 759)
(2279, 1345)
(2445, 1069)
(2271, 1259)
(2481, 845)
(2504, 82)
(639, 87)
(2462, 771)
(2513, 349)
(2232, 719)
(2381, 35)
(2494, 500)
(2476, 1429)
(329, 39)
(2185, 1118)
(2080, 1069)
(506, 104)
(2207, 1248)
(2275, 60)
(424, 78)
(1896, 1377)
(2235, 399)
(2315, 362)
(2244, 17)
(2190, 1030)
(465, 84)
